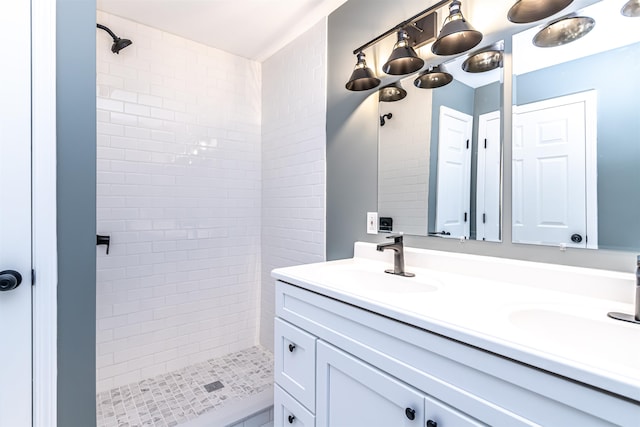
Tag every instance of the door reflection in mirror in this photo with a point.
(428, 180)
(588, 196)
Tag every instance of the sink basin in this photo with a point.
(589, 334)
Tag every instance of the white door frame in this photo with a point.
(589, 98)
(481, 184)
(45, 254)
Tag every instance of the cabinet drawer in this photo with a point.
(295, 362)
(440, 414)
(287, 412)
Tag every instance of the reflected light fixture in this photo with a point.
(631, 9)
(484, 60)
(563, 31)
(403, 58)
(526, 11)
(433, 77)
(392, 92)
(362, 78)
(457, 35)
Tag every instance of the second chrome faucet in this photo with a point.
(398, 255)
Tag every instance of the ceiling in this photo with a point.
(254, 29)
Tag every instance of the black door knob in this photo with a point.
(410, 413)
(291, 419)
(292, 347)
(9, 280)
(432, 423)
(576, 238)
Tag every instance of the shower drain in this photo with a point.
(216, 385)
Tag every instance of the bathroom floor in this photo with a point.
(176, 397)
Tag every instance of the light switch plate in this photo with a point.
(372, 222)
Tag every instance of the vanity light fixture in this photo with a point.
(392, 92)
(631, 9)
(563, 31)
(362, 78)
(484, 60)
(433, 77)
(412, 33)
(403, 58)
(457, 35)
(526, 11)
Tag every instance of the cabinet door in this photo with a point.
(353, 393)
(288, 412)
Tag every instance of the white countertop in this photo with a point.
(548, 316)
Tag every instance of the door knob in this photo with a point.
(9, 280)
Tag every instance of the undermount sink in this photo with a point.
(568, 329)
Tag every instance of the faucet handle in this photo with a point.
(397, 238)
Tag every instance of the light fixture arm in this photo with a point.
(401, 26)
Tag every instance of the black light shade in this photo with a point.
(483, 61)
(432, 78)
(392, 92)
(563, 31)
(118, 43)
(403, 59)
(631, 9)
(362, 78)
(525, 11)
(457, 35)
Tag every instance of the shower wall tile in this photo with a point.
(293, 161)
(179, 192)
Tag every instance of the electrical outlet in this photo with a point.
(372, 222)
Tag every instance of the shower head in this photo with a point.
(118, 43)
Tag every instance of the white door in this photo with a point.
(15, 215)
(453, 201)
(352, 393)
(488, 182)
(551, 140)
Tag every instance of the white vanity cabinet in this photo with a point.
(354, 393)
(371, 370)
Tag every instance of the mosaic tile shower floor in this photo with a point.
(176, 397)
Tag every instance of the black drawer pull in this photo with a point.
(291, 419)
(410, 413)
(292, 347)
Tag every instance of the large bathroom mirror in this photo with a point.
(576, 132)
(440, 151)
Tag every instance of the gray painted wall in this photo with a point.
(352, 151)
(618, 132)
(76, 186)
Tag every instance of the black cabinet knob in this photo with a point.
(410, 413)
(292, 347)
(9, 280)
(576, 238)
(432, 423)
(291, 419)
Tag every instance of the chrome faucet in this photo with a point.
(398, 255)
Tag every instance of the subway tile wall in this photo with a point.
(179, 192)
(293, 161)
